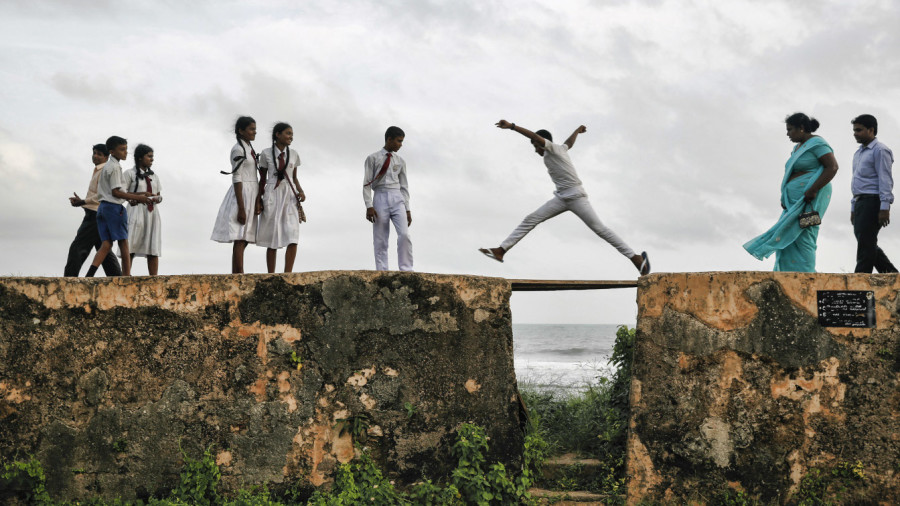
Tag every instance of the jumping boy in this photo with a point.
(87, 237)
(112, 218)
(569, 196)
(385, 175)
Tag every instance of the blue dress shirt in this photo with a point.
(872, 173)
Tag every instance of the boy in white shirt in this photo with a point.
(112, 218)
(569, 196)
(385, 175)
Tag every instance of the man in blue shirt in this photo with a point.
(872, 189)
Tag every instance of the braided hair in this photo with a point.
(280, 127)
(140, 152)
(241, 124)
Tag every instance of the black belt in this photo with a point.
(866, 196)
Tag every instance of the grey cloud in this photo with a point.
(90, 88)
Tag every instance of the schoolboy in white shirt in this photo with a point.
(112, 218)
(385, 177)
(569, 196)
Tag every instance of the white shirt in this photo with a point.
(246, 171)
(560, 168)
(269, 161)
(110, 179)
(90, 200)
(394, 178)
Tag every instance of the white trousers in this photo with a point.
(581, 206)
(390, 207)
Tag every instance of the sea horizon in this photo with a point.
(563, 359)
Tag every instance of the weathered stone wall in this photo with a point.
(735, 385)
(103, 379)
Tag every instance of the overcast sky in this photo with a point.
(684, 102)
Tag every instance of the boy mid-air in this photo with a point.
(569, 196)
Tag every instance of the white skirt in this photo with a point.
(227, 228)
(279, 223)
(144, 231)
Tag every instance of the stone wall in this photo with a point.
(105, 380)
(736, 386)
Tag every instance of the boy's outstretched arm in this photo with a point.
(506, 125)
(571, 140)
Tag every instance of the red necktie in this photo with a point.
(150, 191)
(280, 169)
(384, 168)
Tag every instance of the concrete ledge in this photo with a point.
(103, 379)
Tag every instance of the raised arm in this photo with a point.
(506, 125)
(571, 140)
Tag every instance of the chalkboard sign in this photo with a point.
(846, 308)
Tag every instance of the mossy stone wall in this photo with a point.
(736, 387)
(107, 380)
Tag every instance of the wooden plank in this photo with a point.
(547, 285)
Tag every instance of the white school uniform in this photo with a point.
(279, 222)
(389, 196)
(569, 196)
(144, 225)
(227, 228)
(110, 179)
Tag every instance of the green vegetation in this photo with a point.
(296, 360)
(121, 445)
(199, 480)
(735, 498)
(25, 480)
(590, 424)
(829, 487)
(357, 425)
(474, 481)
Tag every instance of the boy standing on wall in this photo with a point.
(112, 218)
(569, 196)
(87, 237)
(385, 175)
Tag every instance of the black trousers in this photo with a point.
(86, 239)
(866, 228)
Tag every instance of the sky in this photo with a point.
(684, 104)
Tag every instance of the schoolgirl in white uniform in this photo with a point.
(237, 219)
(144, 221)
(279, 221)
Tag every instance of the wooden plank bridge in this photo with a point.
(546, 285)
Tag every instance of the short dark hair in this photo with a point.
(102, 149)
(114, 142)
(393, 132)
(802, 121)
(545, 134)
(866, 120)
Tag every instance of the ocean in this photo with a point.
(562, 359)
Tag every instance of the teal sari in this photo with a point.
(795, 247)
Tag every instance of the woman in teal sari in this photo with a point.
(805, 187)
